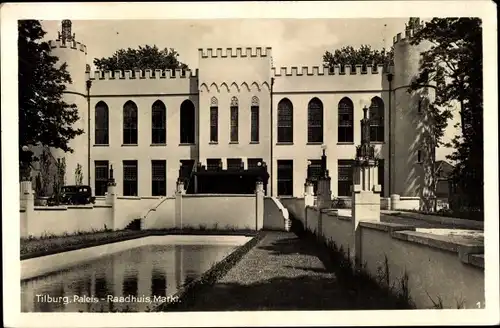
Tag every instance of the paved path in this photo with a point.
(283, 272)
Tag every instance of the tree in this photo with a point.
(44, 117)
(454, 61)
(364, 55)
(141, 58)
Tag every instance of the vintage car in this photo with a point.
(75, 195)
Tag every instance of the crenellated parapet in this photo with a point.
(68, 44)
(235, 52)
(144, 74)
(325, 70)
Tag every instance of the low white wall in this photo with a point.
(312, 217)
(221, 211)
(162, 216)
(59, 220)
(275, 214)
(295, 207)
(433, 265)
(338, 229)
(445, 268)
(128, 209)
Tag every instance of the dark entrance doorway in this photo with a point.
(230, 181)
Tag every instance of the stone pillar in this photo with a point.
(178, 204)
(309, 194)
(111, 199)
(365, 201)
(324, 198)
(395, 198)
(259, 208)
(27, 203)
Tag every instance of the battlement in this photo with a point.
(68, 44)
(325, 70)
(408, 35)
(235, 52)
(144, 74)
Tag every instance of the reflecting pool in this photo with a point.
(134, 280)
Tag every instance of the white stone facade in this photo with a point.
(248, 75)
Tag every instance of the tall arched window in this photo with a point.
(254, 120)
(187, 122)
(376, 116)
(130, 123)
(346, 120)
(159, 123)
(101, 123)
(315, 121)
(214, 120)
(234, 119)
(285, 121)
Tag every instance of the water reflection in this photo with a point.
(132, 280)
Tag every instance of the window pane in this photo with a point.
(376, 115)
(213, 164)
(101, 177)
(101, 124)
(158, 177)
(285, 121)
(187, 122)
(345, 178)
(253, 163)
(234, 163)
(214, 124)
(130, 178)
(285, 178)
(254, 124)
(315, 121)
(345, 121)
(234, 124)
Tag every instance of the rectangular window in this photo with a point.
(314, 172)
(214, 164)
(214, 128)
(101, 177)
(285, 177)
(234, 124)
(345, 178)
(254, 124)
(159, 130)
(130, 178)
(253, 163)
(159, 177)
(419, 156)
(234, 164)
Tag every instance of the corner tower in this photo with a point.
(410, 151)
(74, 54)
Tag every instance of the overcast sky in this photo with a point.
(295, 42)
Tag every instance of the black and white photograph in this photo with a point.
(248, 163)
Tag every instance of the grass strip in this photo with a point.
(49, 245)
(186, 294)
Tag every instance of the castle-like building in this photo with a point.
(237, 110)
